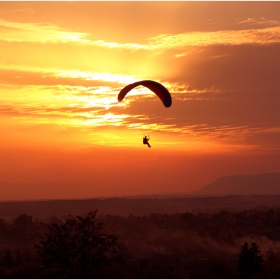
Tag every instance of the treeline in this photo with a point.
(9, 210)
(182, 245)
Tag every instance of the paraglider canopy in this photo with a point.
(155, 87)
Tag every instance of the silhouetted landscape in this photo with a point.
(161, 236)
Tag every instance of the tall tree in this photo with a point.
(78, 247)
(250, 260)
(23, 221)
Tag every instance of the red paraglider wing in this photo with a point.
(155, 87)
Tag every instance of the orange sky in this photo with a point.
(62, 65)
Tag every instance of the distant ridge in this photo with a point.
(260, 184)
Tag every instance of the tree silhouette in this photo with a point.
(250, 260)
(23, 221)
(78, 247)
(8, 260)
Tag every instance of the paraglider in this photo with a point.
(146, 141)
(155, 87)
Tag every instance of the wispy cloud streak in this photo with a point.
(225, 37)
(71, 73)
(45, 32)
(38, 32)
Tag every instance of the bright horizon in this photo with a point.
(63, 64)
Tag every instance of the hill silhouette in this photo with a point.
(231, 193)
(259, 184)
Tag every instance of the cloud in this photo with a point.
(131, 46)
(69, 74)
(226, 92)
(260, 21)
(225, 37)
(250, 69)
(38, 32)
(229, 120)
(45, 32)
(50, 33)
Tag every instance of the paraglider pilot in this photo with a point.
(146, 141)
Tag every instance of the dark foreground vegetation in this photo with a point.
(183, 245)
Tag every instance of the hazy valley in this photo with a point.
(231, 193)
(162, 236)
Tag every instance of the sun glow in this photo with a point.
(72, 73)
(95, 76)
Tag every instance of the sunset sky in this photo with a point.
(62, 64)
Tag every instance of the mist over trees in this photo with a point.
(237, 244)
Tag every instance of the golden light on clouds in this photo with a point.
(37, 32)
(75, 74)
(43, 32)
(225, 37)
